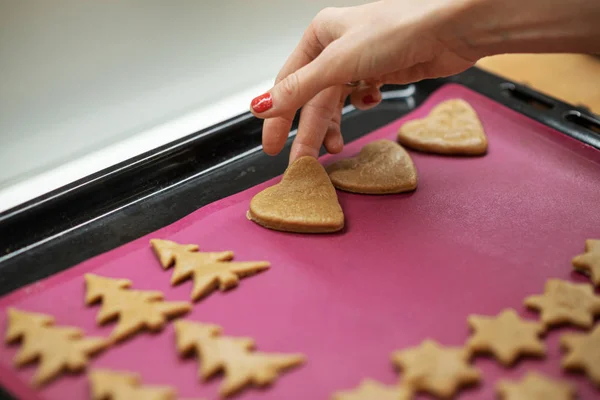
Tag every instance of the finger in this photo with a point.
(314, 122)
(324, 29)
(276, 130)
(334, 141)
(275, 133)
(296, 89)
(365, 97)
(306, 50)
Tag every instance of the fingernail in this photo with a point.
(369, 99)
(262, 103)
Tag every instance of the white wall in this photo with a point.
(77, 75)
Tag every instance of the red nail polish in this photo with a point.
(262, 103)
(368, 99)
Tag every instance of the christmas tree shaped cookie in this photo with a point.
(234, 356)
(57, 348)
(120, 385)
(135, 309)
(165, 250)
(208, 270)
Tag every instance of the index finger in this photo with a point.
(276, 130)
(323, 30)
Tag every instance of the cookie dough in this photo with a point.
(381, 167)
(370, 389)
(452, 128)
(304, 201)
(583, 353)
(234, 356)
(208, 270)
(566, 303)
(166, 250)
(506, 336)
(56, 348)
(535, 386)
(135, 309)
(120, 385)
(588, 263)
(435, 369)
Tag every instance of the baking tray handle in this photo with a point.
(535, 99)
(576, 121)
(586, 121)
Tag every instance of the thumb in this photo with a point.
(296, 89)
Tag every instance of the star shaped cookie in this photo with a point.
(535, 386)
(566, 303)
(433, 368)
(370, 389)
(506, 336)
(583, 353)
(589, 262)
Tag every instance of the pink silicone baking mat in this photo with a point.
(477, 236)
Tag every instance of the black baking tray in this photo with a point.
(131, 199)
(115, 206)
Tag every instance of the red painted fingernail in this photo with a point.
(368, 99)
(262, 103)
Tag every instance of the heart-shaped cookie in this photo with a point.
(452, 127)
(304, 201)
(381, 167)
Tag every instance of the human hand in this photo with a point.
(390, 41)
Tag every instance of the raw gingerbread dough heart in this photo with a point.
(304, 201)
(452, 127)
(381, 167)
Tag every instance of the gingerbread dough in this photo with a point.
(381, 167)
(452, 127)
(166, 251)
(304, 201)
(583, 353)
(135, 309)
(435, 369)
(370, 389)
(589, 262)
(506, 336)
(234, 356)
(56, 348)
(566, 303)
(120, 385)
(535, 386)
(208, 270)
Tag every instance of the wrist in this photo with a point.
(487, 27)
